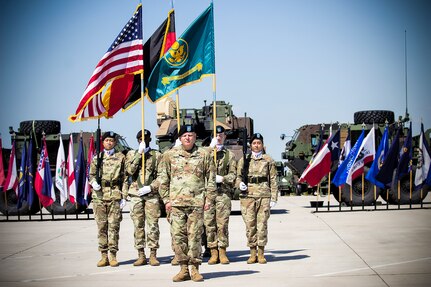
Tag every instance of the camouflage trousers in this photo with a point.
(186, 229)
(145, 211)
(107, 215)
(216, 220)
(255, 213)
(168, 218)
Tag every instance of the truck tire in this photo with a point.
(373, 116)
(369, 198)
(69, 208)
(49, 127)
(10, 208)
(417, 197)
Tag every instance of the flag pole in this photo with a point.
(177, 94)
(142, 110)
(214, 92)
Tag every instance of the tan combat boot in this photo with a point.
(113, 259)
(214, 256)
(196, 276)
(153, 258)
(142, 260)
(104, 260)
(253, 258)
(222, 255)
(183, 275)
(174, 261)
(260, 257)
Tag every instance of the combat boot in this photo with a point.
(104, 260)
(196, 276)
(153, 258)
(142, 260)
(222, 255)
(113, 259)
(183, 275)
(174, 261)
(253, 258)
(214, 256)
(260, 257)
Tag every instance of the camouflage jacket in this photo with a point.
(187, 178)
(133, 172)
(226, 167)
(113, 180)
(262, 177)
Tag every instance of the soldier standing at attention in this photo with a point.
(144, 198)
(107, 197)
(217, 216)
(187, 187)
(262, 192)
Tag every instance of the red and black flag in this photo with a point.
(154, 49)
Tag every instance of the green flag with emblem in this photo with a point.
(189, 59)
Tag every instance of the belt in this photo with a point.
(257, 179)
(110, 183)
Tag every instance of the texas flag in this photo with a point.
(321, 165)
(43, 182)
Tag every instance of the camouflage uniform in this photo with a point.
(106, 201)
(144, 208)
(262, 188)
(217, 216)
(187, 181)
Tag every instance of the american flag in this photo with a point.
(124, 56)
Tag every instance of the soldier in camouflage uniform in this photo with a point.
(262, 192)
(187, 187)
(217, 216)
(108, 200)
(144, 198)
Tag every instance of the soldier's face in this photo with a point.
(220, 138)
(109, 143)
(256, 145)
(188, 140)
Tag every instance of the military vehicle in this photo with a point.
(299, 150)
(33, 130)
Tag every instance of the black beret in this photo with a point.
(146, 133)
(256, 136)
(109, 134)
(186, 129)
(219, 129)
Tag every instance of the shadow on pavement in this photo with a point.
(273, 211)
(211, 275)
(270, 255)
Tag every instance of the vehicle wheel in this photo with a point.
(373, 116)
(49, 127)
(369, 197)
(11, 207)
(417, 195)
(69, 208)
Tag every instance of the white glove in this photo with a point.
(177, 143)
(242, 186)
(213, 142)
(95, 185)
(272, 204)
(142, 147)
(144, 190)
(219, 178)
(122, 203)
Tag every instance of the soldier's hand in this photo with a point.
(144, 190)
(95, 185)
(122, 203)
(219, 178)
(272, 204)
(142, 147)
(213, 142)
(242, 186)
(168, 207)
(206, 206)
(177, 143)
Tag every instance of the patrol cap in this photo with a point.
(109, 134)
(186, 129)
(146, 133)
(220, 129)
(256, 136)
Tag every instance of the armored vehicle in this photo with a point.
(300, 149)
(33, 131)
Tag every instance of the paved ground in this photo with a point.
(360, 248)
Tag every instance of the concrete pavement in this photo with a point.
(305, 248)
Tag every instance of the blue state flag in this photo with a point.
(424, 161)
(381, 154)
(29, 197)
(391, 161)
(343, 170)
(189, 59)
(22, 176)
(405, 163)
(80, 174)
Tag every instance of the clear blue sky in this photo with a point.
(284, 62)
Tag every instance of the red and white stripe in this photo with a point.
(70, 169)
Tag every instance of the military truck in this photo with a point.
(302, 146)
(33, 131)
